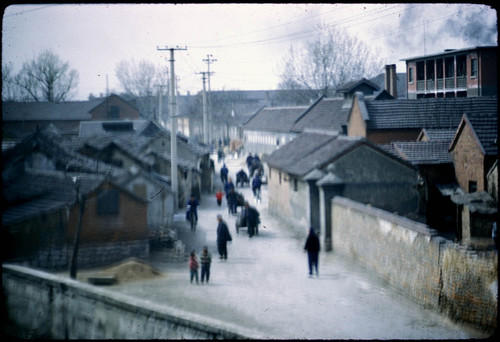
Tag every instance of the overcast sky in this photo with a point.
(249, 41)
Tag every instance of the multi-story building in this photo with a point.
(454, 73)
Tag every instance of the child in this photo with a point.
(193, 267)
(206, 260)
(219, 196)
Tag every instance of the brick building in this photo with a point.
(453, 73)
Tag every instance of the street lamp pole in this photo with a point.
(81, 201)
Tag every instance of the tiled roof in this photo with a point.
(427, 113)
(324, 154)
(424, 152)
(486, 128)
(275, 119)
(59, 150)
(293, 152)
(327, 113)
(47, 111)
(309, 151)
(41, 192)
(352, 85)
(439, 134)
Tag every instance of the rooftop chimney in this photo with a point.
(391, 80)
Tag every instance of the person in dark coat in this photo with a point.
(232, 201)
(252, 219)
(256, 184)
(223, 236)
(312, 247)
(223, 174)
(249, 161)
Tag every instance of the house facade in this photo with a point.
(453, 73)
(315, 167)
(42, 213)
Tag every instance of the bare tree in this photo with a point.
(142, 80)
(324, 64)
(10, 90)
(46, 78)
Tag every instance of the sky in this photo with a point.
(246, 43)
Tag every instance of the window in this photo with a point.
(410, 75)
(114, 112)
(473, 67)
(472, 186)
(108, 202)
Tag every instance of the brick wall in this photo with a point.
(356, 127)
(434, 272)
(468, 160)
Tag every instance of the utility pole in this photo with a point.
(209, 60)
(205, 113)
(173, 127)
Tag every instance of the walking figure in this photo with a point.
(206, 260)
(223, 174)
(256, 184)
(192, 212)
(223, 236)
(193, 267)
(252, 219)
(312, 247)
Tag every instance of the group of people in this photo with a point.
(205, 260)
(251, 217)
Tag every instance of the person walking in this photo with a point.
(218, 197)
(232, 201)
(252, 219)
(193, 267)
(223, 236)
(256, 184)
(312, 247)
(223, 174)
(206, 261)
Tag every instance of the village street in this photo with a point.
(264, 285)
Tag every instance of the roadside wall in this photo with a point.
(410, 256)
(49, 306)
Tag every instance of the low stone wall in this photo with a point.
(89, 255)
(48, 306)
(410, 256)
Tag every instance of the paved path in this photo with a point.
(264, 285)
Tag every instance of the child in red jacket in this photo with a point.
(219, 196)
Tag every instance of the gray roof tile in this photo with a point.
(427, 113)
(327, 113)
(275, 119)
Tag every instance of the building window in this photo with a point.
(410, 75)
(108, 202)
(114, 112)
(472, 186)
(473, 67)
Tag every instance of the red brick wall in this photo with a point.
(468, 159)
(388, 136)
(126, 110)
